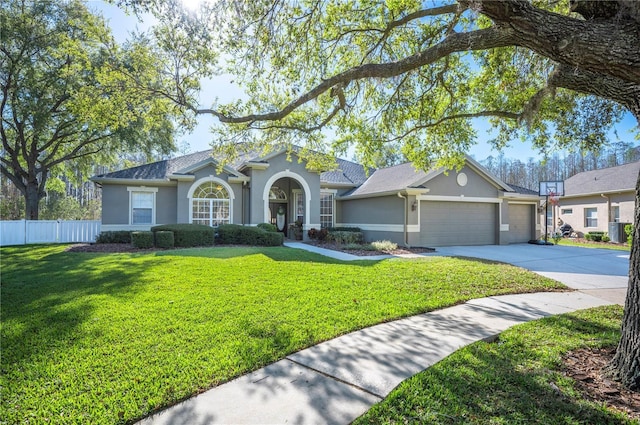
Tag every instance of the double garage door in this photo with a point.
(458, 223)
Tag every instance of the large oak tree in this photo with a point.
(415, 73)
(72, 98)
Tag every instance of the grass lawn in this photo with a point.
(515, 380)
(617, 247)
(109, 338)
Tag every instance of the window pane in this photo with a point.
(142, 200)
(141, 216)
(210, 205)
(326, 210)
(591, 217)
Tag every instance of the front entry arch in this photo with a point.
(305, 187)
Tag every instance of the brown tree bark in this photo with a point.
(625, 366)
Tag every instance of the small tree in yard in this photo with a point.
(415, 73)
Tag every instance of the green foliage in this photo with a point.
(595, 236)
(606, 238)
(126, 335)
(384, 245)
(187, 235)
(344, 229)
(628, 229)
(516, 380)
(268, 227)
(142, 240)
(73, 97)
(164, 239)
(345, 237)
(114, 236)
(358, 247)
(234, 234)
(557, 237)
(319, 234)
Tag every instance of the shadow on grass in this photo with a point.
(280, 254)
(47, 295)
(502, 382)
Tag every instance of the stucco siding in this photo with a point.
(573, 211)
(381, 210)
(115, 204)
(166, 211)
(476, 185)
(279, 168)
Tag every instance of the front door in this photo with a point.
(279, 216)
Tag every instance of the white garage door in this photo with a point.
(457, 223)
(520, 223)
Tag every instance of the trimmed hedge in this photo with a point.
(268, 227)
(343, 237)
(234, 234)
(595, 236)
(142, 240)
(345, 229)
(320, 234)
(186, 235)
(164, 239)
(114, 236)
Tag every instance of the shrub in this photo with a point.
(116, 236)
(606, 238)
(344, 229)
(359, 247)
(164, 239)
(628, 229)
(345, 237)
(268, 227)
(384, 245)
(235, 234)
(312, 233)
(186, 235)
(142, 240)
(322, 234)
(594, 236)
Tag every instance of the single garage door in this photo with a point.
(520, 223)
(457, 223)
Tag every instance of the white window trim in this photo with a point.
(203, 180)
(333, 193)
(131, 190)
(587, 218)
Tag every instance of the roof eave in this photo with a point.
(135, 182)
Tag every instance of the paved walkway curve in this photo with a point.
(336, 381)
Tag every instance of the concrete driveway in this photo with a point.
(600, 272)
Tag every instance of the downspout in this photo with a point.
(400, 195)
(608, 207)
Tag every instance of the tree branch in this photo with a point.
(456, 42)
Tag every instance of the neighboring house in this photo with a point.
(415, 208)
(593, 199)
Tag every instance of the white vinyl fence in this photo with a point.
(21, 232)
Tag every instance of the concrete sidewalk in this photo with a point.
(336, 381)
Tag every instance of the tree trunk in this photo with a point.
(32, 200)
(625, 366)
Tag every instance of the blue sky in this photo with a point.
(222, 88)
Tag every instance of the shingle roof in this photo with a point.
(390, 179)
(620, 178)
(348, 173)
(523, 190)
(160, 169)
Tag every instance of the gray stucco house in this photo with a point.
(409, 207)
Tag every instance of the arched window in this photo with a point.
(210, 204)
(277, 194)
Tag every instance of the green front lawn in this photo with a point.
(601, 245)
(110, 338)
(515, 380)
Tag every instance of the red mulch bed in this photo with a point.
(586, 366)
